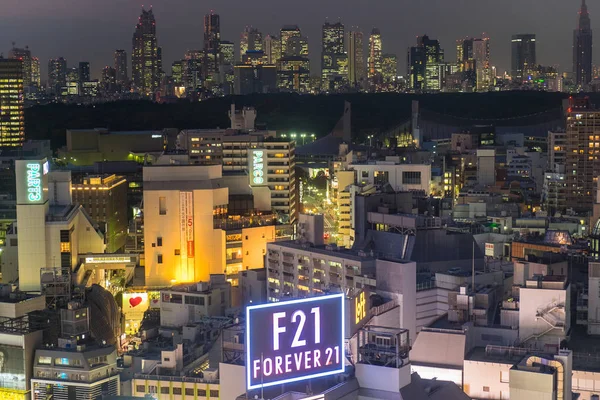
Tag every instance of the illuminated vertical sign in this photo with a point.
(360, 307)
(186, 215)
(257, 167)
(359, 312)
(34, 182)
(294, 340)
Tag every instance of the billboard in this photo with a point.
(32, 181)
(294, 340)
(12, 368)
(187, 251)
(133, 307)
(257, 167)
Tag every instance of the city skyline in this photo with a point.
(179, 27)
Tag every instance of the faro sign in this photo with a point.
(294, 340)
(256, 167)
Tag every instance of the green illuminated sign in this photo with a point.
(34, 182)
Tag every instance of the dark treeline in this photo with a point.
(371, 113)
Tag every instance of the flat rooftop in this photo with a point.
(340, 252)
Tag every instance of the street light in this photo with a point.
(303, 136)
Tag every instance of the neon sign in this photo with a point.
(294, 340)
(360, 306)
(257, 167)
(34, 182)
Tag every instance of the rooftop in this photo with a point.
(328, 250)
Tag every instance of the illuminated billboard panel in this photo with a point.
(12, 368)
(257, 167)
(294, 340)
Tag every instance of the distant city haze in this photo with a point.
(86, 30)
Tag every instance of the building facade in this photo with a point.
(523, 60)
(582, 48)
(145, 70)
(12, 125)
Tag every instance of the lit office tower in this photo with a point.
(57, 75)
(581, 152)
(144, 57)
(25, 56)
(473, 55)
(375, 60)
(12, 130)
(334, 61)
(36, 74)
(286, 33)
(356, 59)
(121, 67)
(523, 56)
(424, 64)
(272, 49)
(227, 52)
(251, 39)
(389, 68)
(582, 48)
(212, 44)
(84, 72)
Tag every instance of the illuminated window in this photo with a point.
(65, 247)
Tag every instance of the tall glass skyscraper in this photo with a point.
(25, 56)
(121, 67)
(12, 126)
(334, 61)
(145, 70)
(523, 56)
(582, 47)
(212, 44)
(356, 59)
(375, 60)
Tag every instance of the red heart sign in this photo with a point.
(135, 301)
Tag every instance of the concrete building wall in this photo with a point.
(486, 380)
(535, 330)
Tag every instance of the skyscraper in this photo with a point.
(121, 67)
(356, 59)
(286, 33)
(57, 75)
(212, 44)
(84, 72)
(426, 65)
(12, 127)
(228, 52)
(36, 75)
(144, 57)
(473, 55)
(25, 56)
(375, 60)
(523, 56)
(334, 61)
(272, 49)
(251, 39)
(582, 48)
(389, 68)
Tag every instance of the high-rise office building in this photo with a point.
(473, 55)
(73, 87)
(145, 70)
(272, 49)
(57, 75)
(84, 72)
(389, 68)
(582, 152)
(25, 56)
(12, 129)
(121, 67)
(227, 52)
(36, 75)
(334, 61)
(426, 65)
(286, 33)
(356, 59)
(251, 39)
(582, 48)
(375, 60)
(177, 72)
(523, 56)
(212, 44)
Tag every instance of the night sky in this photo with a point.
(85, 30)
